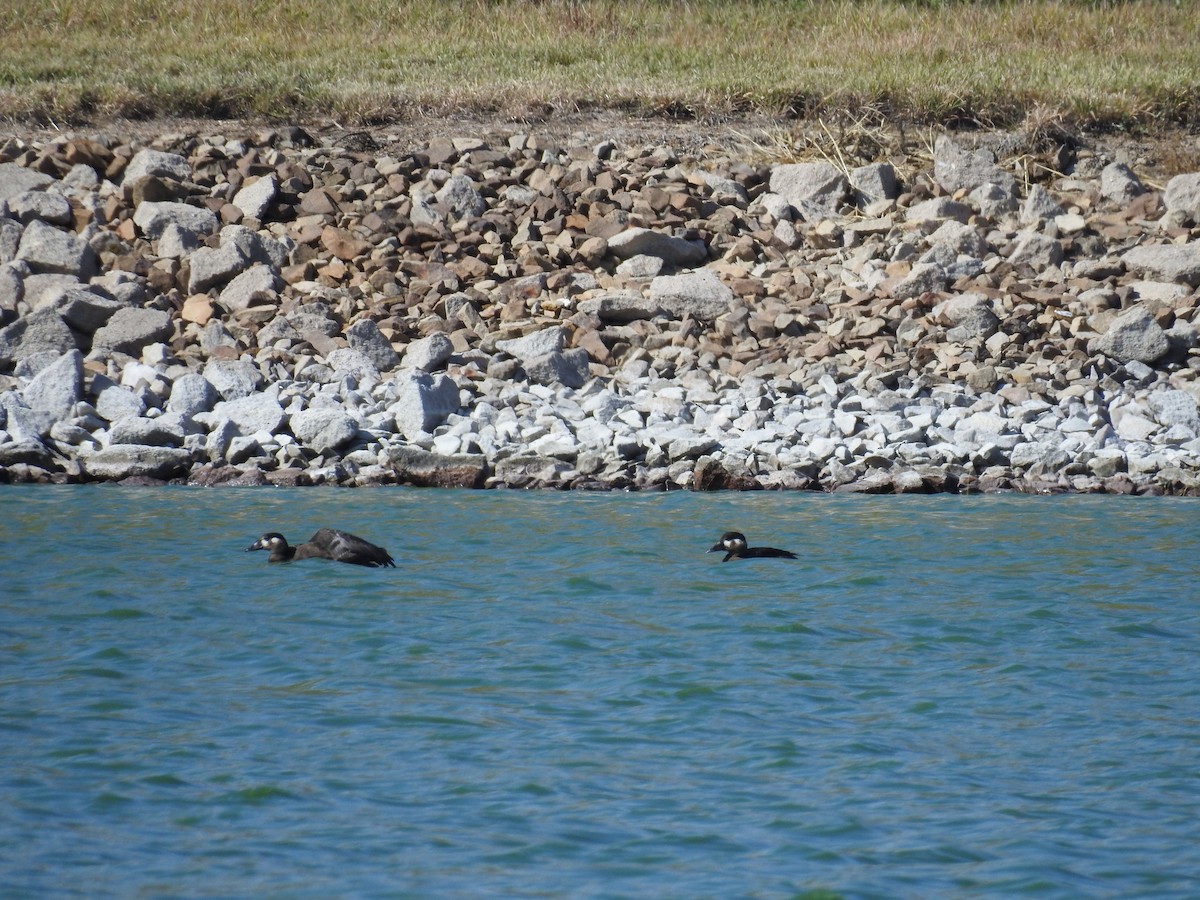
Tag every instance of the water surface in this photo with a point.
(563, 695)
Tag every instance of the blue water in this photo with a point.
(562, 695)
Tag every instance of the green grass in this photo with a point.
(1114, 64)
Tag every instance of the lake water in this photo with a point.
(562, 695)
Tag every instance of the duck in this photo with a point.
(735, 547)
(327, 543)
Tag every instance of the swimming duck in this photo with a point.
(327, 543)
(734, 545)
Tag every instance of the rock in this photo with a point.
(1175, 407)
(1170, 262)
(252, 414)
(699, 294)
(460, 198)
(58, 387)
(365, 337)
(256, 286)
(620, 308)
(1183, 196)
(85, 310)
(422, 402)
(430, 353)
(155, 218)
(956, 169)
(535, 344)
(968, 317)
(816, 190)
(1036, 250)
(52, 209)
(191, 394)
(1134, 335)
(15, 179)
(120, 461)
(872, 183)
(1119, 185)
(569, 367)
(419, 467)
(159, 432)
(255, 199)
(675, 251)
(159, 164)
(233, 378)
(42, 331)
(45, 248)
(130, 329)
(1039, 206)
(323, 430)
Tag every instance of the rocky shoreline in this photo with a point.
(513, 310)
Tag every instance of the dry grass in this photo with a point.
(1114, 64)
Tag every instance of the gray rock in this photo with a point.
(258, 285)
(816, 190)
(1119, 185)
(114, 402)
(130, 329)
(992, 200)
(424, 469)
(700, 294)
(569, 367)
(1183, 196)
(251, 414)
(346, 361)
(675, 251)
(460, 197)
(1039, 206)
(726, 190)
(365, 337)
(1176, 407)
(10, 239)
(968, 317)
(620, 307)
(1134, 335)
(45, 248)
(641, 266)
(535, 344)
(1039, 457)
(956, 169)
(939, 209)
(1036, 250)
(422, 402)
(960, 238)
(255, 199)
(158, 163)
(15, 179)
(1170, 262)
(429, 353)
(874, 182)
(322, 429)
(121, 461)
(42, 331)
(159, 432)
(54, 209)
(58, 387)
(233, 378)
(177, 242)
(24, 425)
(85, 310)
(215, 266)
(923, 278)
(191, 394)
(153, 218)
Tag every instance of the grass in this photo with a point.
(1133, 65)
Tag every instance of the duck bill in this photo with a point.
(257, 545)
(716, 548)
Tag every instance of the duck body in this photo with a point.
(733, 543)
(327, 543)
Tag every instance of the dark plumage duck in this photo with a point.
(328, 543)
(734, 545)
